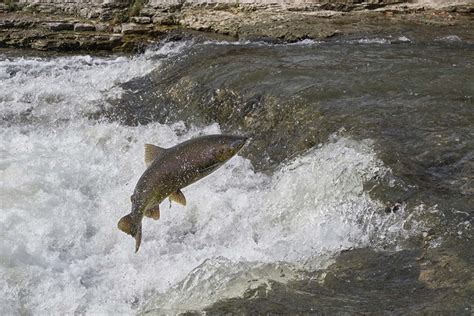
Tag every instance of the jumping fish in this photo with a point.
(169, 170)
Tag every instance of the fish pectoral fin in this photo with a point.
(178, 197)
(151, 152)
(153, 211)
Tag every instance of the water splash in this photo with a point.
(68, 87)
(63, 191)
(449, 39)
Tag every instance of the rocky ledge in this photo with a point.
(122, 31)
(65, 33)
(249, 23)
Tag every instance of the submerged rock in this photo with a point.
(396, 281)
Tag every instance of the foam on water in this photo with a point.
(305, 42)
(68, 87)
(311, 42)
(449, 39)
(64, 185)
(63, 191)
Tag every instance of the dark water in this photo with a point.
(357, 195)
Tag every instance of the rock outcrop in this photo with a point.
(127, 24)
(47, 32)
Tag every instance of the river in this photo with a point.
(355, 193)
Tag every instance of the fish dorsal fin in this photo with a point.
(151, 152)
(178, 197)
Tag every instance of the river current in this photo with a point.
(358, 143)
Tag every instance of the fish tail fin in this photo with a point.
(132, 226)
(127, 224)
(138, 237)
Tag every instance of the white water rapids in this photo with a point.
(66, 180)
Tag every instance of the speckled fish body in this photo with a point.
(170, 170)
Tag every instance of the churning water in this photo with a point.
(66, 178)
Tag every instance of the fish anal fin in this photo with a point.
(153, 211)
(151, 152)
(178, 197)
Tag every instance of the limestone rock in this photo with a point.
(60, 26)
(149, 12)
(40, 44)
(133, 28)
(164, 19)
(106, 16)
(103, 27)
(22, 24)
(84, 27)
(48, 9)
(141, 19)
(93, 14)
(5, 24)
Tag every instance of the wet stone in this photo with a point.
(164, 19)
(42, 44)
(60, 26)
(141, 19)
(22, 24)
(93, 14)
(133, 28)
(103, 27)
(84, 27)
(6, 24)
(149, 12)
(106, 16)
(117, 29)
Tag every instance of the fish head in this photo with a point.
(227, 147)
(215, 150)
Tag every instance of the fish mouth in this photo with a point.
(238, 143)
(210, 168)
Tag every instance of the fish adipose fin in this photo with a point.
(129, 225)
(153, 211)
(178, 197)
(151, 152)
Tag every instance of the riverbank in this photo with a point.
(130, 31)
